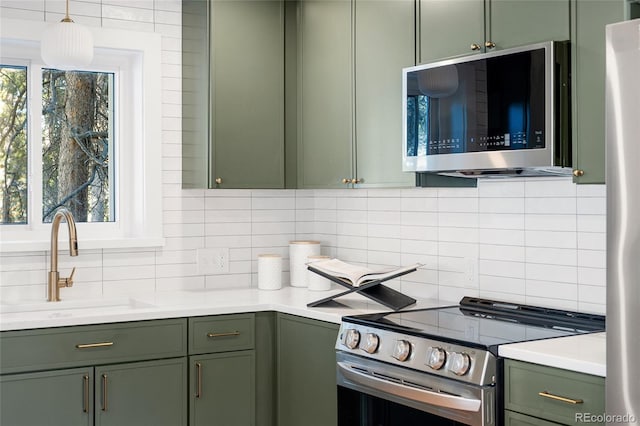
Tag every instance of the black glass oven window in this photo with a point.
(359, 409)
(494, 104)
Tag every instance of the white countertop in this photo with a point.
(584, 353)
(177, 304)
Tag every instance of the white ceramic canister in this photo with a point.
(315, 281)
(298, 253)
(269, 271)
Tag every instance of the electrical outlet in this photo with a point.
(213, 261)
(471, 272)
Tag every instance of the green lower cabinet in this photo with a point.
(49, 398)
(142, 393)
(307, 387)
(222, 389)
(516, 419)
(541, 395)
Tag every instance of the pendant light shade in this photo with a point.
(438, 82)
(66, 45)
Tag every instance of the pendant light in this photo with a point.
(66, 45)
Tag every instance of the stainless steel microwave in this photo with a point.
(504, 113)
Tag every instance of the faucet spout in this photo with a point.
(55, 282)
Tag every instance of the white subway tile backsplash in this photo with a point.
(538, 241)
(553, 239)
(556, 273)
(559, 205)
(500, 221)
(592, 206)
(549, 188)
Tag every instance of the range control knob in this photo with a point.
(436, 357)
(402, 350)
(371, 343)
(459, 363)
(351, 338)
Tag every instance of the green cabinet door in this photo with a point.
(247, 91)
(516, 419)
(385, 43)
(449, 28)
(512, 23)
(49, 398)
(151, 393)
(588, 84)
(307, 387)
(222, 390)
(325, 133)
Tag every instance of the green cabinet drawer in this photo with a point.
(552, 394)
(222, 333)
(64, 347)
(517, 419)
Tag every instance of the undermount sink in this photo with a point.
(71, 306)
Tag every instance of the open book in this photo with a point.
(357, 275)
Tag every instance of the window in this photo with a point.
(88, 140)
(77, 140)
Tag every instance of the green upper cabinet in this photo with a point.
(247, 94)
(588, 85)
(450, 28)
(384, 44)
(325, 132)
(238, 78)
(453, 28)
(350, 58)
(511, 23)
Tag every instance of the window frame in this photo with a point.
(135, 59)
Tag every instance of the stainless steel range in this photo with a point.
(438, 365)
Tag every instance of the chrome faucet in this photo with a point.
(55, 282)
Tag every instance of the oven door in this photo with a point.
(372, 393)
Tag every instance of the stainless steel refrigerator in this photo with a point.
(623, 222)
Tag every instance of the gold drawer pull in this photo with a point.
(199, 381)
(105, 401)
(85, 401)
(546, 394)
(230, 333)
(94, 345)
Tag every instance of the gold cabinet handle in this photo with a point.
(489, 44)
(578, 173)
(227, 334)
(347, 181)
(356, 180)
(475, 46)
(218, 180)
(198, 380)
(94, 345)
(546, 394)
(104, 393)
(85, 402)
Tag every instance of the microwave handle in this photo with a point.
(409, 392)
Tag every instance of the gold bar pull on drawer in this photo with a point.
(94, 345)
(546, 394)
(230, 333)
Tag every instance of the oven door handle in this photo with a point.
(408, 392)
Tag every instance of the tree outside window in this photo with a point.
(77, 144)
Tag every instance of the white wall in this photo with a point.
(534, 241)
